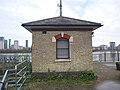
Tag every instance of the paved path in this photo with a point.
(106, 71)
(108, 77)
(108, 85)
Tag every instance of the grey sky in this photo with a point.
(15, 12)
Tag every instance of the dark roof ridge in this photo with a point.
(59, 17)
(61, 22)
(80, 19)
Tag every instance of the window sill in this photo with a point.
(62, 60)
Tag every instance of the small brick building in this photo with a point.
(61, 44)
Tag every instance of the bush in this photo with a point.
(117, 62)
(118, 65)
(56, 77)
(81, 77)
(87, 76)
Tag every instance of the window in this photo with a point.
(62, 48)
(44, 32)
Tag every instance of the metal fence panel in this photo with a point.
(106, 56)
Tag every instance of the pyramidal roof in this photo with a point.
(60, 21)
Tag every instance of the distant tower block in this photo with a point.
(5, 44)
(1, 42)
(112, 46)
(9, 43)
(26, 44)
(16, 44)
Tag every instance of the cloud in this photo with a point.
(106, 11)
(101, 11)
(15, 12)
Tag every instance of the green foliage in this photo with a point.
(2, 68)
(88, 76)
(117, 62)
(48, 70)
(55, 77)
(82, 77)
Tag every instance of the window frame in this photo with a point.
(68, 49)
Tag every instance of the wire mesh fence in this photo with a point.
(111, 56)
(9, 60)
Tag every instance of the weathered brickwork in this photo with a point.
(44, 52)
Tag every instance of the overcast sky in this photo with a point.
(15, 12)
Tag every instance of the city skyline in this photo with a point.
(26, 44)
(7, 44)
(14, 13)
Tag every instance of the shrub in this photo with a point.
(55, 77)
(87, 76)
(118, 65)
(117, 62)
(81, 77)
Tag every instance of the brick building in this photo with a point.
(61, 44)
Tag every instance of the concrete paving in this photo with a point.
(108, 77)
(108, 85)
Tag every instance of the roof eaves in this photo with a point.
(62, 25)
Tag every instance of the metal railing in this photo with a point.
(4, 82)
(9, 60)
(106, 56)
(19, 76)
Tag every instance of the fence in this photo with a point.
(112, 56)
(15, 67)
(16, 76)
(9, 60)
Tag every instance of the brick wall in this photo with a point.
(44, 52)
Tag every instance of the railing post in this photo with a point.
(7, 82)
(28, 64)
(15, 77)
(22, 75)
(118, 54)
(105, 56)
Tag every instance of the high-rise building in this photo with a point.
(5, 44)
(12, 47)
(21, 47)
(1, 42)
(9, 43)
(26, 44)
(103, 47)
(112, 46)
(118, 47)
(16, 44)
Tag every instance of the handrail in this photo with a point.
(19, 64)
(5, 76)
(20, 76)
(4, 81)
(21, 70)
